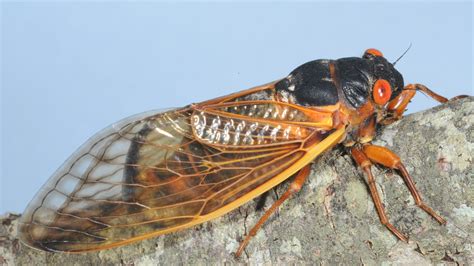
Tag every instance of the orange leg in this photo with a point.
(397, 106)
(362, 160)
(295, 186)
(387, 158)
(426, 91)
(431, 93)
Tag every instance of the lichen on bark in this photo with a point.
(332, 220)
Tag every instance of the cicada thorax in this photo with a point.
(345, 84)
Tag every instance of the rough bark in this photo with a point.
(332, 220)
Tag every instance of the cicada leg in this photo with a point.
(426, 91)
(397, 106)
(366, 165)
(387, 158)
(295, 186)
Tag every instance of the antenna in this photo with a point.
(402, 54)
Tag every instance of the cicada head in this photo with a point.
(387, 81)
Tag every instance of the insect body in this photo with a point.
(161, 172)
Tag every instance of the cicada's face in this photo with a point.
(387, 81)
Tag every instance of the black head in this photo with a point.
(384, 70)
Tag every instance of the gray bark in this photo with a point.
(332, 220)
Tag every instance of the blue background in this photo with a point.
(70, 69)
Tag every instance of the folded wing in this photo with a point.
(164, 171)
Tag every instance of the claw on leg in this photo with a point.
(458, 97)
(416, 195)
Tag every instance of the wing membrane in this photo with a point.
(161, 172)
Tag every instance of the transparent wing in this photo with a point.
(164, 171)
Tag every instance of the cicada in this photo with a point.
(161, 172)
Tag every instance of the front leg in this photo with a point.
(397, 106)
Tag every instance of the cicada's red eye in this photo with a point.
(372, 52)
(381, 91)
